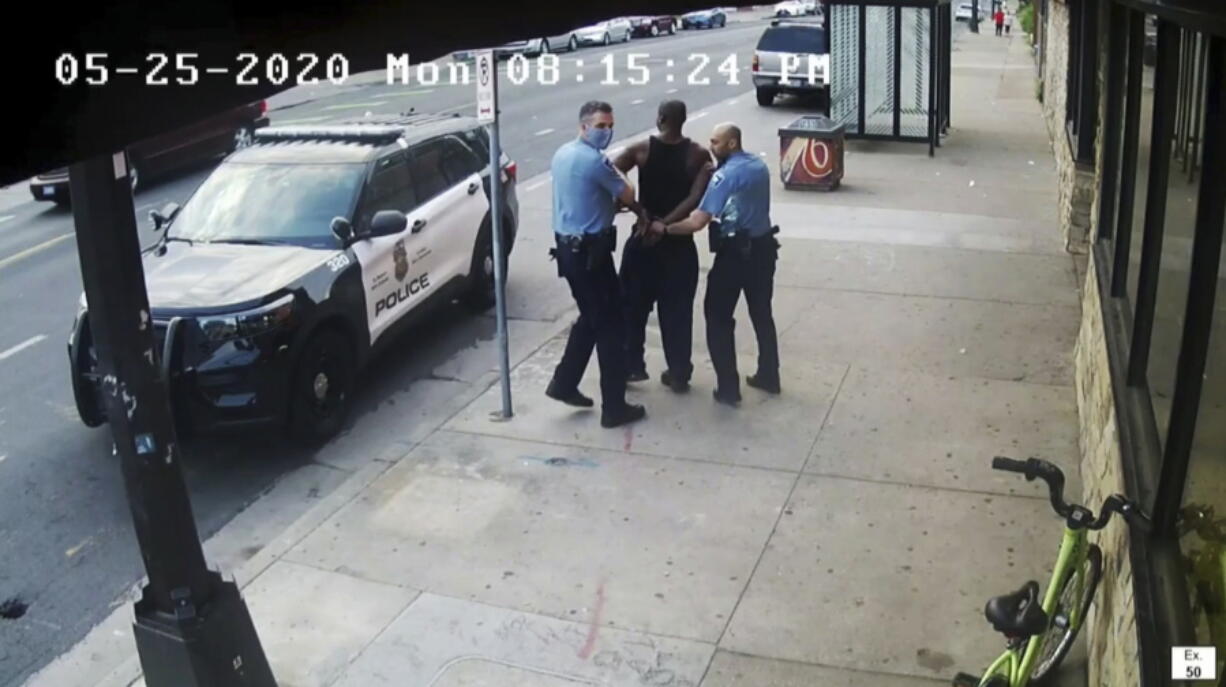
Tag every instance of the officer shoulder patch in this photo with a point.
(717, 178)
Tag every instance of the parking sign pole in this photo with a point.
(487, 112)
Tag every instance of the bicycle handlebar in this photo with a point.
(1034, 467)
(1054, 477)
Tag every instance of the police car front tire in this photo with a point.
(321, 387)
(479, 294)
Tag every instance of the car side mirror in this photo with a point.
(343, 230)
(388, 222)
(163, 217)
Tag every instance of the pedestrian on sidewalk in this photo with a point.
(1000, 21)
(745, 255)
(663, 274)
(1008, 21)
(586, 189)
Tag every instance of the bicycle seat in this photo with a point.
(1018, 614)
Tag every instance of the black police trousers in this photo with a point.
(732, 273)
(663, 277)
(593, 283)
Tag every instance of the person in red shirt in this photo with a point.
(1000, 21)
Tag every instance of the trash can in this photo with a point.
(811, 154)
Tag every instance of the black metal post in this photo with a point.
(932, 82)
(192, 629)
(946, 51)
(1166, 75)
(973, 22)
(862, 47)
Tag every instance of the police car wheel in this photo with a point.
(766, 97)
(321, 387)
(479, 295)
(84, 372)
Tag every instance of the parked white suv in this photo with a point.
(792, 57)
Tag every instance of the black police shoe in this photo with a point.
(769, 386)
(574, 398)
(676, 385)
(623, 416)
(726, 399)
(637, 376)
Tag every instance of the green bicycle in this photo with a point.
(1040, 634)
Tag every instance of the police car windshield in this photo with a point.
(270, 203)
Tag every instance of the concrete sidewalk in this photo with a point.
(846, 533)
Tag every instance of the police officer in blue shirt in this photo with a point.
(742, 238)
(586, 190)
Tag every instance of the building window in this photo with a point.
(1081, 101)
(1163, 287)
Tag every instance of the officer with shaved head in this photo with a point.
(737, 206)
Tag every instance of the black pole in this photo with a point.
(973, 22)
(192, 629)
(932, 81)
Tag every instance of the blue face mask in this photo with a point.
(599, 138)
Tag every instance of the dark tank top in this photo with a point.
(665, 180)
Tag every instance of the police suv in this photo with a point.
(303, 254)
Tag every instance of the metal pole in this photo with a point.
(504, 356)
(191, 628)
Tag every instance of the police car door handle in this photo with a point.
(472, 188)
(418, 226)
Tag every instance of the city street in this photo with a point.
(65, 531)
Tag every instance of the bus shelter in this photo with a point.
(889, 68)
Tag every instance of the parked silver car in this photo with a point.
(530, 47)
(606, 32)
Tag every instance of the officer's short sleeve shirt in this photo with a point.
(738, 195)
(585, 189)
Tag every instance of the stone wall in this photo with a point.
(1077, 184)
(1110, 630)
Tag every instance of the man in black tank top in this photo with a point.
(661, 273)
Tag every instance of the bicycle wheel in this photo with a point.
(1068, 616)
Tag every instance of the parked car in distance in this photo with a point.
(605, 32)
(653, 26)
(963, 13)
(704, 19)
(803, 48)
(532, 47)
(790, 8)
(208, 138)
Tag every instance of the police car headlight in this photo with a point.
(249, 323)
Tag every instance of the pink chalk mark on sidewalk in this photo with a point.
(590, 644)
(629, 439)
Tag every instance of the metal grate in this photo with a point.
(916, 54)
(879, 71)
(845, 66)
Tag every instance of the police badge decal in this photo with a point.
(401, 258)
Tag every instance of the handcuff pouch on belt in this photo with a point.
(592, 246)
(740, 241)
